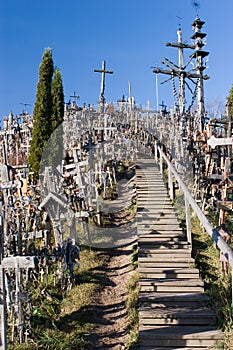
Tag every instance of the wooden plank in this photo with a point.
(18, 261)
(213, 141)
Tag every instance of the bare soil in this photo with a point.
(110, 316)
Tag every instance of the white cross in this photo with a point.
(213, 141)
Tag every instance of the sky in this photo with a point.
(130, 35)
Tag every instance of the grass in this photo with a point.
(217, 284)
(65, 323)
(132, 310)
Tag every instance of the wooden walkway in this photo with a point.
(173, 308)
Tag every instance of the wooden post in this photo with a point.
(161, 164)
(156, 151)
(3, 338)
(170, 184)
(231, 293)
(188, 221)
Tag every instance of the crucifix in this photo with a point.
(103, 71)
(75, 98)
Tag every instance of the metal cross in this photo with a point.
(75, 97)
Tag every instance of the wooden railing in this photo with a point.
(160, 157)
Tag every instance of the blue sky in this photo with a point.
(130, 35)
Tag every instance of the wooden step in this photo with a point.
(157, 236)
(162, 208)
(157, 199)
(159, 224)
(156, 203)
(171, 282)
(150, 183)
(151, 251)
(151, 243)
(154, 258)
(172, 256)
(143, 209)
(165, 237)
(169, 235)
(153, 347)
(165, 231)
(154, 198)
(144, 188)
(155, 223)
(153, 272)
(147, 179)
(164, 245)
(152, 233)
(191, 300)
(176, 285)
(176, 316)
(179, 336)
(166, 259)
(142, 231)
(162, 264)
(158, 214)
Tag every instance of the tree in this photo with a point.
(54, 148)
(43, 110)
(230, 102)
(57, 100)
(48, 116)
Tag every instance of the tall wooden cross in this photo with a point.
(103, 71)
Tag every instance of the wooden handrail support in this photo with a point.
(189, 201)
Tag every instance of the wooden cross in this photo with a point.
(103, 71)
(213, 141)
(17, 263)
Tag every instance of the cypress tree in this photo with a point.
(57, 100)
(230, 101)
(54, 148)
(42, 126)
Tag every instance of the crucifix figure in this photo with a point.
(103, 71)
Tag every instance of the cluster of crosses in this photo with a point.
(94, 141)
(199, 147)
(35, 213)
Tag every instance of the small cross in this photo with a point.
(25, 107)
(164, 107)
(75, 97)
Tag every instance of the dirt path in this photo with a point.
(111, 331)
